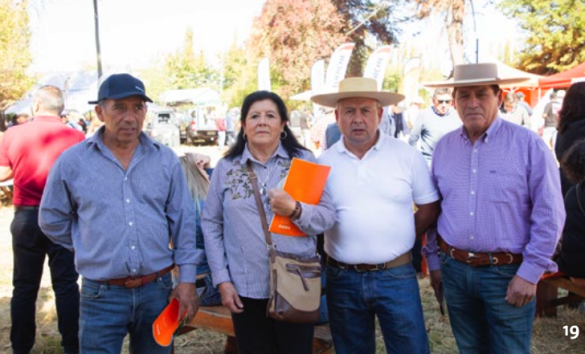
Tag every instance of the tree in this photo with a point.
(239, 75)
(14, 51)
(369, 23)
(186, 70)
(294, 34)
(454, 12)
(555, 33)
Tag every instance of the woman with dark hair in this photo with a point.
(571, 260)
(234, 239)
(571, 125)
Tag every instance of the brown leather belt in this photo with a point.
(137, 281)
(401, 260)
(476, 259)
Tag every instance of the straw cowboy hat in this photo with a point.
(357, 87)
(475, 75)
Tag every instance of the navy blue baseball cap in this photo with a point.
(120, 86)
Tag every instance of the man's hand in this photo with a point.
(520, 292)
(436, 279)
(230, 298)
(188, 302)
(281, 202)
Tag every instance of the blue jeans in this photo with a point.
(355, 298)
(109, 312)
(481, 319)
(30, 246)
(208, 294)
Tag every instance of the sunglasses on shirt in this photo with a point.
(444, 101)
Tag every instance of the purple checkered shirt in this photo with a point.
(500, 194)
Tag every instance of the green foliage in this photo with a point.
(14, 52)
(239, 75)
(555, 33)
(187, 70)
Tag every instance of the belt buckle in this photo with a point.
(470, 257)
(133, 282)
(362, 268)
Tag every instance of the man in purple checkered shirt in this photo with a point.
(502, 215)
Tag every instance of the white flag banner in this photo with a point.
(338, 65)
(264, 75)
(318, 75)
(376, 65)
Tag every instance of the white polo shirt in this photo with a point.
(374, 199)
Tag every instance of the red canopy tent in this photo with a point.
(563, 79)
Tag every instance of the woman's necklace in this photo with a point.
(263, 187)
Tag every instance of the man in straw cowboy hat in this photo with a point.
(501, 217)
(374, 181)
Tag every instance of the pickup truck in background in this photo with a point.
(163, 126)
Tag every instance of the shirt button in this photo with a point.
(474, 170)
(132, 247)
(471, 237)
(125, 178)
(472, 192)
(133, 270)
(471, 214)
(130, 223)
(128, 201)
(475, 150)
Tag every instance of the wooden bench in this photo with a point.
(218, 319)
(547, 294)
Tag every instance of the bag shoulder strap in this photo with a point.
(578, 189)
(253, 181)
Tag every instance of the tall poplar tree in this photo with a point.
(14, 51)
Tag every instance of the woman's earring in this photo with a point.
(285, 135)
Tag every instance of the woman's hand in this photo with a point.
(281, 202)
(230, 298)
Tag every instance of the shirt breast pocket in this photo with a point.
(503, 186)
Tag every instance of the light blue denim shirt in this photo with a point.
(235, 244)
(125, 220)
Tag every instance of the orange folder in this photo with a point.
(305, 183)
(168, 323)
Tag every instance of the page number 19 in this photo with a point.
(572, 330)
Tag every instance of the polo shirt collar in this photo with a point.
(47, 118)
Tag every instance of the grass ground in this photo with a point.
(548, 334)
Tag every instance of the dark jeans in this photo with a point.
(481, 319)
(30, 246)
(258, 334)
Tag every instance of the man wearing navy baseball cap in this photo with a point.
(118, 200)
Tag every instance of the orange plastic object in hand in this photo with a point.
(168, 323)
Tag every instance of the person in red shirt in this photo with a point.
(27, 153)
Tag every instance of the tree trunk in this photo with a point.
(455, 31)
